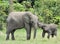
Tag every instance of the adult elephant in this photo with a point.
(20, 20)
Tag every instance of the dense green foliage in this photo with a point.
(48, 11)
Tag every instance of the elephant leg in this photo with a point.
(52, 35)
(55, 33)
(28, 30)
(49, 33)
(28, 34)
(43, 34)
(7, 37)
(35, 32)
(12, 35)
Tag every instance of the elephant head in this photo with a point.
(34, 21)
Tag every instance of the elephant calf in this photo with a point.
(51, 29)
(20, 20)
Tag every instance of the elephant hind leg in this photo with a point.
(7, 33)
(55, 33)
(7, 38)
(12, 34)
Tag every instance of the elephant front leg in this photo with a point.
(28, 30)
(52, 35)
(43, 34)
(28, 35)
(34, 34)
(49, 33)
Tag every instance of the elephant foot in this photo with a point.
(13, 38)
(7, 38)
(48, 37)
(28, 38)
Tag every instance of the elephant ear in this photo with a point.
(27, 18)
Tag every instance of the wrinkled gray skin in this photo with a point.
(20, 20)
(51, 29)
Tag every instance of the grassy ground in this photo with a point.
(20, 38)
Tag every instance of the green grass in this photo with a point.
(20, 38)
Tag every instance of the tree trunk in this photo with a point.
(10, 6)
(0, 26)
